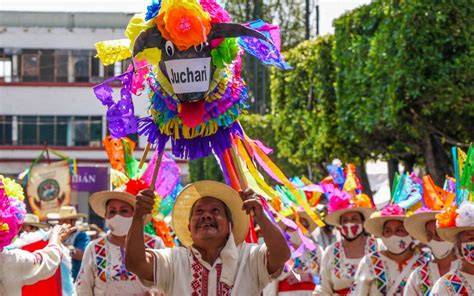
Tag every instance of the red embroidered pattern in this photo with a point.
(200, 280)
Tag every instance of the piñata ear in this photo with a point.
(266, 51)
(151, 38)
(231, 30)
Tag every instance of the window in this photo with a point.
(6, 130)
(55, 130)
(88, 131)
(55, 65)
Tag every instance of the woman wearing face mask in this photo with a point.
(386, 272)
(341, 258)
(457, 227)
(103, 270)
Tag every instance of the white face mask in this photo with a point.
(351, 230)
(397, 244)
(119, 225)
(440, 249)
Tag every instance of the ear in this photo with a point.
(148, 39)
(225, 30)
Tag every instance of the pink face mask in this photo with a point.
(351, 230)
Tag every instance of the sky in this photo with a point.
(329, 9)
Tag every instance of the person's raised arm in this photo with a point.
(136, 259)
(278, 251)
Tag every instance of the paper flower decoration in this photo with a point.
(184, 23)
(392, 210)
(465, 217)
(361, 201)
(339, 200)
(447, 218)
(12, 210)
(217, 13)
(134, 186)
(226, 53)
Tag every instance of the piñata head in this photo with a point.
(187, 53)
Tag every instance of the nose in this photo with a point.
(205, 216)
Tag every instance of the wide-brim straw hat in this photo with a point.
(195, 191)
(302, 213)
(374, 225)
(334, 218)
(33, 220)
(450, 234)
(416, 224)
(98, 201)
(65, 212)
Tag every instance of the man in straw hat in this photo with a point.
(457, 227)
(209, 218)
(386, 272)
(78, 240)
(32, 223)
(103, 270)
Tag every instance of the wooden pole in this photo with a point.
(145, 153)
(155, 172)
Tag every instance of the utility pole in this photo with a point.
(317, 18)
(306, 19)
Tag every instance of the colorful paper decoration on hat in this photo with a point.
(407, 190)
(434, 197)
(12, 210)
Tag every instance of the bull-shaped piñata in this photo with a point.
(186, 54)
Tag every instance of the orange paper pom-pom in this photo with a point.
(184, 24)
(446, 218)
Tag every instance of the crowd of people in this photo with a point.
(360, 251)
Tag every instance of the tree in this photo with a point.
(404, 79)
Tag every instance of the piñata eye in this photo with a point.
(169, 47)
(200, 47)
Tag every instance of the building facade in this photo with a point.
(47, 71)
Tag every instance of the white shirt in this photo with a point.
(302, 270)
(422, 279)
(19, 268)
(442, 287)
(182, 271)
(373, 266)
(103, 270)
(337, 270)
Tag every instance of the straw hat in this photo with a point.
(98, 201)
(195, 191)
(374, 225)
(302, 213)
(65, 212)
(334, 218)
(33, 220)
(463, 219)
(416, 224)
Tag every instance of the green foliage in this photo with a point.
(205, 169)
(405, 80)
(304, 110)
(395, 81)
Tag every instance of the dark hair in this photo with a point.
(227, 211)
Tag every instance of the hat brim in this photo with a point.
(98, 202)
(374, 225)
(416, 225)
(312, 225)
(450, 234)
(56, 216)
(334, 218)
(38, 225)
(195, 191)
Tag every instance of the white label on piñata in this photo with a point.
(189, 75)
